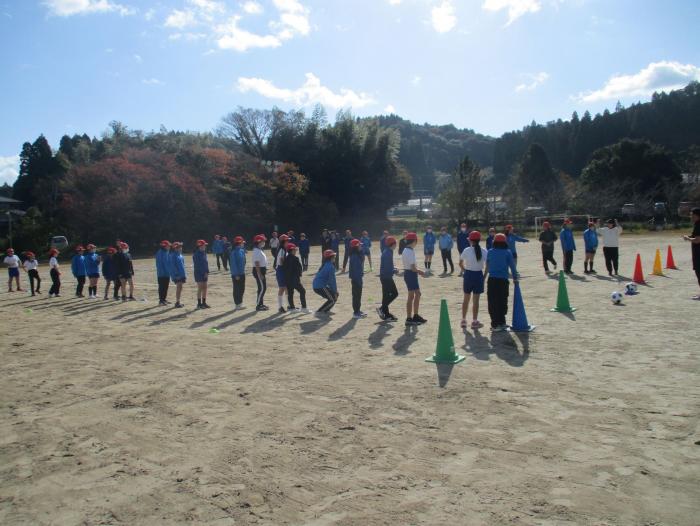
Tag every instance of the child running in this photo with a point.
(55, 273)
(324, 283)
(92, 269)
(12, 261)
(366, 246)
(472, 262)
(547, 239)
(201, 273)
(357, 270)
(279, 272)
(77, 267)
(590, 240)
(237, 266)
(31, 266)
(109, 273)
(429, 240)
(163, 271)
(410, 277)
(386, 277)
(498, 261)
(304, 251)
(259, 270)
(292, 273)
(177, 271)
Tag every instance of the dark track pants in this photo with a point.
(611, 255)
(548, 256)
(568, 260)
(34, 276)
(497, 295)
(163, 285)
(261, 282)
(80, 286)
(356, 296)
(389, 293)
(447, 257)
(302, 294)
(327, 294)
(238, 289)
(55, 282)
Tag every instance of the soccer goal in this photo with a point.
(577, 220)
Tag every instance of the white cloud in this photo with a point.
(180, 19)
(536, 80)
(85, 7)
(310, 93)
(657, 76)
(294, 19)
(252, 8)
(153, 82)
(209, 6)
(443, 17)
(233, 37)
(9, 169)
(148, 15)
(416, 80)
(138, 58)
(516, 8)
(394, 2)
(186, 36)
(389, 109)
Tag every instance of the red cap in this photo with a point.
(291, 246)
(201, 243)
(123, 245)
(474, 235)
(390, 241)
(259, 238)
(176, 244)
(355, 243)
(567, 221)
(91, 246)
(238, 240)
(79, 248)
(411, 236)
(328, 254)
(52, 252)
(29, 254)
(463, 224)
(284, 237)
(111, 250)
(546, 224)
(165, 243)
(591, 223)
(500, 238)
(509, 227)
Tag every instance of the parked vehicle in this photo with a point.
(58, 242)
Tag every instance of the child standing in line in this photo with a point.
(237, 266)
(304, 251)
(217, 247)
(177, 271)
(201, 273)
(109, 272)
(472, 262)
(590, 240)
(547, 238)
(490, 237)
(92, 268)
(125, 271)
(568, 245)
(410, 277)
(279, 272)
(259, 270)
(402, 242)
(12, 261)
(55, 273)
(428, 248)
(386, 277)
(512, 238)
(77, 267)
(227, 252)
(163, 271)
(293, 271)
(274, 248)
(462, 241)
(346, 246)
(366, 245)
(498, 260)
(357, 270)
(446, 244)
(31, 266)
(335, 247)
(324, 283)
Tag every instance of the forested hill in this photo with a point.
(671, 120)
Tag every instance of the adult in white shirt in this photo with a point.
(13, 262)
(259, 270)
(611, 245)
(472, 262)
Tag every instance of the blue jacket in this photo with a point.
(386, 265)
(77, 266)
(566, 237)
(217, 246)
(463, 240)
(92, 264)
(177, 266)
(304, 247)
(499, 260)
(445, 241)
(335, 243)
(429, 242)
(163, 263)
(200, 263)
(237, 260)
(325, 277)
(512, 239)
(489, 242)
(590, 239)
(357, 266)
(108, 271)
(346, 242)
(366, 243)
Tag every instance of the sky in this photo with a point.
(72, 66)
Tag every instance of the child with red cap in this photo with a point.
(12, 261)
(357, 270)
(92, 268)
(201, 273)
(568, 245)
(259, 270)
(410, 277)
(31, 266)
(163, 271)
(386, 277)
(498, 261)
(109, 272)
(77, 267)
(472, 261)
(292, 274)
(125, 270)
(547, 238)
(55, 274)
(177, 271)
(237, 266)
(324, 283)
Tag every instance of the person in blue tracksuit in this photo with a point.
(357, 270)
(201, 273)
(335, 247)
(490, 237)
(445, 243)
(382, 241)
(92, 270)
(568, 245)
(429, 240)
(462, 238)
(217, 248)
(512, 239)
(386, 277)
(304, 251)
(590, 240)
(109, 273)
(324, 283)
(498, 261)
(177, 271)
(77, 267)
(163, 271)
(366, 246)
(346, 245)
(237, 266)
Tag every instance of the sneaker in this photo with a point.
(391, 317)
(499, 328)
(123, 298)
(476, 324)
(131, 298)
(359, 315)
(592, 271)
(306, 310)
(281, 310)
(410, 322)
(178, 305)
(463, 324)
(380, 313)
(419, 319)
(261, 307)
(161, 303)
(38, 292)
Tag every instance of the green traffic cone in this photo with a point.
(563, 296)
(445, 350)
(213, 330)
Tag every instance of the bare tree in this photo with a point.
(249, 127)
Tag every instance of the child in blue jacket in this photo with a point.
(324, 283)
(92, 270)
(445, 242)
(512, 238)
(177, 271)
(237, 266)
(590, 240)
(201, 273)
(386, 277)
(490, 237)
(357, 270)
(304, 251)
(568, 245)
(77, 266)
(429, 240)
(366, 245)
(109, 273)
(163, 271)
(498, 261)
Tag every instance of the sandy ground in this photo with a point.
(132, 413)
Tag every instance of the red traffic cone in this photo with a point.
(638, 273)
(669, 259)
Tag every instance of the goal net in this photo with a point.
(578, 220)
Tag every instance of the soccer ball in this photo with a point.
(631, 288)
(616, 298)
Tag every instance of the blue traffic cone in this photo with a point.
(520, 323)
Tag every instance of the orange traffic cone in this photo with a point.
(657, 270)
(669, 259)
(638, 273)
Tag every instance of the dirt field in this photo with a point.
(132, 413)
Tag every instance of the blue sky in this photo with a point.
(71, 66)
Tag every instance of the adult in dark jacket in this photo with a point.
(292, 271)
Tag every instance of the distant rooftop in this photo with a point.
(8, 200)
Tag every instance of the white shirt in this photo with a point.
(259, 257)
(12, 261)
(470, 261)
(611, 236)
(53, 262)
(274, 242)
(30, 265)
(280, 257)
(408, 258)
